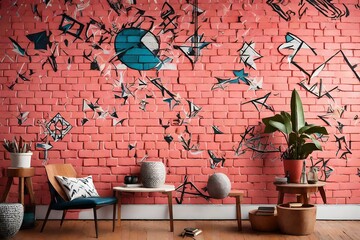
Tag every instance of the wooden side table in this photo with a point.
(165, 189)
(24, 175)
(303, 190)
(238, 196)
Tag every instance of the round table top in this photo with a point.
(301, 185)
(140, 188)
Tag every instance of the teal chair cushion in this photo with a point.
(83, 203)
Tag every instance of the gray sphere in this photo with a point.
(218, 186)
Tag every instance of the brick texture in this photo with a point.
(112, 100)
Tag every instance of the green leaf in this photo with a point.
(297, 112)
(287, 121)
(312, 129)
(307, 149)
(269, 128)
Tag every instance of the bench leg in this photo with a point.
(238, 212)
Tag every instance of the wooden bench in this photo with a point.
(238, 197)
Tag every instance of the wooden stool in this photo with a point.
(238, 196)
(24, 175)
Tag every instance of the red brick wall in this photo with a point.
(100, 149)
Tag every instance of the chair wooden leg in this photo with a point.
(46, 218)
(114, 216)
(63, 217)
(95, 220)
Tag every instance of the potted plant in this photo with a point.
(20, 152)
(298, 135)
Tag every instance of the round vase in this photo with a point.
(21, 160)
(152, 174)
(218, 186)
(296, 220)
(293, 167)
(11, 217)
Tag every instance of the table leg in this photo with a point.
(29, 185)
(21, 190)
(7, 189)
(322, 193)
(169, 194)
(238, 212)
(119, 206)
(280, 197)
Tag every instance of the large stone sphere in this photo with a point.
(11, 217)
(218, 186)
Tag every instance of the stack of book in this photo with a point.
(265, 211)
(191, 232)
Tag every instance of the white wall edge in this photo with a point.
(201, 212)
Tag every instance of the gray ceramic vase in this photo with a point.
(11, 217)
(152, 174)
(218, 186)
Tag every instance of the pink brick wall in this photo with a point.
(100, 148)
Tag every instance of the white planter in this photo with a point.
(21, 160)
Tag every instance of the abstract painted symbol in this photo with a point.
(216, 130)
(192, 47)
(241, 76)
(215, 161)
(137, 48)
(167, 15)
(328, 9)
(275, 5)
(262, 102)
(58, 127)
(324, 169)
(333, 113)
(71, 26)
(22, 117)
(183, 190)
(249, 55)
(46, 146)
(40, 39)
(343, 147)
(298, 47)
(168, 138)
(18, 49)
(194, 110)
(317, 89)
(358, 172)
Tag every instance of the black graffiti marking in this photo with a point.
(328, 9)
(262, 102)
(183, 190)
(277, 8)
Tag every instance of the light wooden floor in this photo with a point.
(159, 230)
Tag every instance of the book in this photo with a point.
(191, 232)
(259, 213)
(266, 209)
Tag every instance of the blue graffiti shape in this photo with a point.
(137, 48)
(275, 5)
(215, 161)
(58, 127)
(69, 25)
(248, 54)
(40, 39)
(294, 43)
(328, 9)
(45, 147)
(261, 101)
(17, 48)
(324, 169)
(241, 76)
(343, 147)
(183, 191)
(193, 47)
(317, 89)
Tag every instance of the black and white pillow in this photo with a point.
(77, 187)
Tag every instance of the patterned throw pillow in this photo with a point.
(78, 187)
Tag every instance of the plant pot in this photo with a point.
(294, 168)
(263, 223)
(152, 174)
(11, 217)
(296, 220)
(21, 160)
